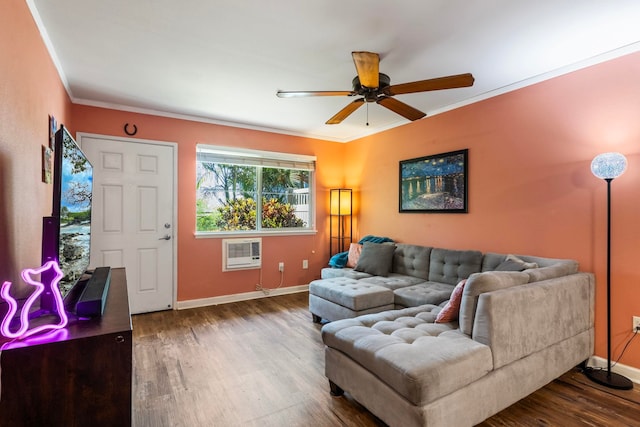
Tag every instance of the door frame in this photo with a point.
(174, 213)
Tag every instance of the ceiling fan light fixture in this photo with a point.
(371, 94)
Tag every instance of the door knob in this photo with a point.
(166, 237)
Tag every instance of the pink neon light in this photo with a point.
(47, 337)
(24, 330)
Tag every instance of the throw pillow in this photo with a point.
(513, 263)
(376, 258)
(354, 254)
(451, 310)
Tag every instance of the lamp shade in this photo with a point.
(340, 201)
(608, 165)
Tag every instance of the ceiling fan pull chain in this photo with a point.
(367, 114)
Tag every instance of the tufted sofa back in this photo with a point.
(435, 264)
(451, 266)
(412, 260)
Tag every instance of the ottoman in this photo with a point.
(342, 297)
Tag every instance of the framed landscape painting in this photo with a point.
(434, 184)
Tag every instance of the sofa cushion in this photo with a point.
(412, 260)
(423, 293)
(479, 283)
(451, 310)
(491, 260)
(331, 273)
(419, 359)
(451, 266)
(393, 281)
(376, 258)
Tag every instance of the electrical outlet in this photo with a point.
(305, 264)
(281, 266)
(636, 323)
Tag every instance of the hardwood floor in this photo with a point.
(261, 363)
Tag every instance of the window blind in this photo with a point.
(246, 157)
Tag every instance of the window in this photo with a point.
(249, 191)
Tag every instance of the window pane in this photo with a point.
(225, 197)
(251, 190)
(285, 198)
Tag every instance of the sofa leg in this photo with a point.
(335, 389)
(316, 318)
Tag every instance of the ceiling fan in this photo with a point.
(375, 86)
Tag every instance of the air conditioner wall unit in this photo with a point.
(241, 254)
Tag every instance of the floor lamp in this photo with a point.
(341, 209)
(609, 166)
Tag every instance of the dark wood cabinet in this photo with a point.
(83, 377)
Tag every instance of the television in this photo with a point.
(67, 232)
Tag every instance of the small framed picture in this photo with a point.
(434, 184)
(53, 127)
(47, 165)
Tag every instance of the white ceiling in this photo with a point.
(222, 61)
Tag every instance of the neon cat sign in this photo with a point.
(52, 286)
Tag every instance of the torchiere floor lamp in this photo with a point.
(608, 166)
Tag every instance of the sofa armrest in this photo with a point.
(479, 283)
(522, 320)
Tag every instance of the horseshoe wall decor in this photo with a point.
(126, 129)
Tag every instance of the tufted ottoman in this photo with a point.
(417, 358)
(403, 357)
(342, 298)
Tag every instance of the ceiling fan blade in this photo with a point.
(368, 67)
(449, 82)
(345, 112)
(300, 94)
(406, 111)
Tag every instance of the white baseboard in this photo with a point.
(628, 371)
(225, 299)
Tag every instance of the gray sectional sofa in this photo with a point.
(516, 332)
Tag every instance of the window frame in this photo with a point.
(260, 159)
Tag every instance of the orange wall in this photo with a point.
(30, 90)
(531, 190)
(200, 260)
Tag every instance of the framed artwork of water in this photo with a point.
(434, 184)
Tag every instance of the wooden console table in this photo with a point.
(81, 379)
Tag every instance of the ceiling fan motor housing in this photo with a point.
(371, 93)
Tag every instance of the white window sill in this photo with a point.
(275, 233)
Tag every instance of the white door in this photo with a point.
(132, 222)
